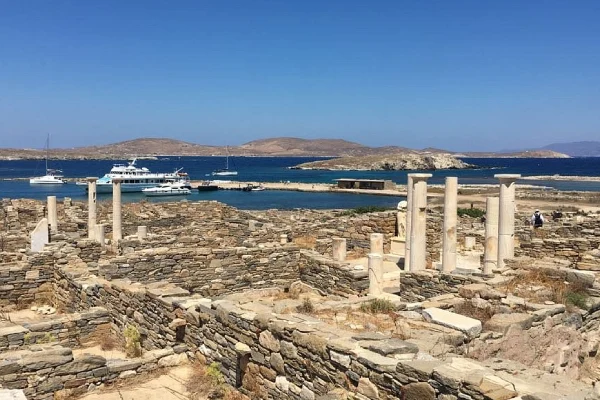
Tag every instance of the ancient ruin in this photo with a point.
(425, 302)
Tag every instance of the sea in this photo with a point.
(277, 169)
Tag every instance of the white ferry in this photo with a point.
(135, 179)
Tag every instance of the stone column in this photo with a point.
(91, 205)
(418, 225)
(52, 215)
(409, 201)
(99, 234)
(375, 273)
(506, 217)
(142, 232)
(117, 234)
(283, 238)
(490, 257)
(339, 249)
(470, 242)
(450, 217)
(377, 243)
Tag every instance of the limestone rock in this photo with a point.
(268, 341)
(470, 326)
(367, 388)
(391, 347)
(173, 360)
(418, 391)
(277, 363)
(501, 322)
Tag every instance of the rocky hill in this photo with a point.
(284, 146)
(519, 154)
(576, 149)
(390, 162)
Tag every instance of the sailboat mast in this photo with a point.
(226, 157)
(47, 148)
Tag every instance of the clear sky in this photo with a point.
(460, 75)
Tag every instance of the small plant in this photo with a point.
(307, 307)
(467, 309)
(47, 338)
(27, 338)
(378, 306)
(133, 339)
(214, 373)
(470, 212)
(578, 299)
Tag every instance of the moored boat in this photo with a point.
(207, 186)
(52, 176)
(167, 189)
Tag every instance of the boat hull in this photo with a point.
(210, 188)
(165, 194)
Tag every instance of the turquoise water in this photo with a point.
(275, 169)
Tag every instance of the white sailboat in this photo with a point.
(52, 176)
(226, 171)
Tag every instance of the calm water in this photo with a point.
(275, 169)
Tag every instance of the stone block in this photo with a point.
(46, 359)
(469, 326)
(501, 322)
(86, 362)
(418, 391)
(391, 347)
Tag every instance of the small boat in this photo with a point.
(253, 188)
(207, 186)
(167, 189)
(225, 171)
(52, 176)
(258, 188)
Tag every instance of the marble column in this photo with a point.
(418, 225)
(142, 232)
(409, 201)
(490, 257)
(506, 217)
(52, 214)
(91, 205)
(339, 249)
(450, 217)
(116, 195)
(377, 243)
(99, 234)
(283, 238)
(375, 264)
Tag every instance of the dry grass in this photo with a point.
(541, 285)
(305, 242)
(286, 295)
(307, 307)
(209, 382)
(467, 309)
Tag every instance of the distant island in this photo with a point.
(390, 162)
(283, 146)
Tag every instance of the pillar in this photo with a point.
(117, 234)
(99, 234)
(52, 215)
(339, 249)
(470, 242)
(377, 243)
(375, 273)
(409, 201)
(91, 205)
(490, 257)
(283, 238)
(506, 217)
(142, 232)
(450, 216)
(418, 225)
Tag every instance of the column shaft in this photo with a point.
(91, 206)
(409, 201)
(506, 218)
(117, 234)
(490, 258)
(52, 214)
(450, 218)
(418, 226)
(375, 265)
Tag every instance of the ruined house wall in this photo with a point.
(419, 286)
(209, 271)
(332, 277)
(23, 283)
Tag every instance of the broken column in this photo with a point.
(409, 201)
(99, 234)
(52, 215)
(339, 249)
(377, 243)
(398, 242)
(117, 234)
(142, 232)
(375, 265)
(506, 217)
(490, 258)
(450, 217)
(418, 225)
(91, 205)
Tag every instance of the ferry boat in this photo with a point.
(167, 189)
(135, 179)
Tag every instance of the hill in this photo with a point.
(389, 162)
(576, 149)
(519, 154)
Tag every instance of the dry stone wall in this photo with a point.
(22, 283)
(331, 276)
(420, 286)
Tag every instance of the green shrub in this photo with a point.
(578, 299)
(471, 212)
(133, 341)
(377, 306)
(364, 210)
(213, 371)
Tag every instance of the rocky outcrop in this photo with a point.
(393, 162)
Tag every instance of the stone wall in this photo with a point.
(419, 286)
(68, 330)
(209, 271)
(44, 370)
(23, 283)
(331, 276)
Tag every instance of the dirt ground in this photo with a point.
(169, 386)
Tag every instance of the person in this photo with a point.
(537, 219)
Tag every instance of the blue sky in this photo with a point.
(461, 75)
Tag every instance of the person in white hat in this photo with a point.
(537, 219)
